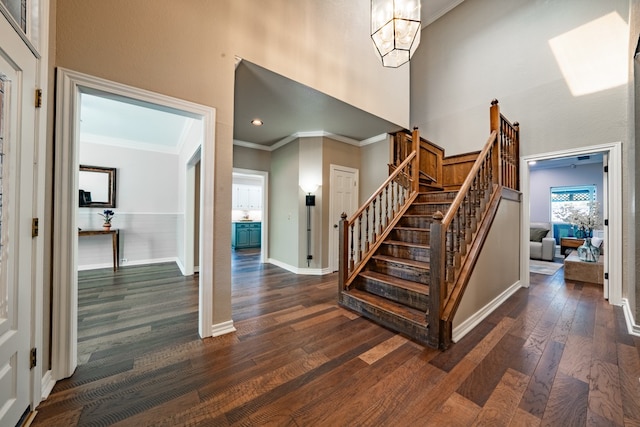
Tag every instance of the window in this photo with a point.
(18, 10)
(578, 197)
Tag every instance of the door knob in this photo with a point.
(335, 225)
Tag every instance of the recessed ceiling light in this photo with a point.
(256, 122)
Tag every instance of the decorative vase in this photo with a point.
(587, 252)
(106, 226)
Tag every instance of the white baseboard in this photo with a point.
(298, 270)
(465, 327)
(47, 384)
(222, 328)
(128, 263)
(632, 326)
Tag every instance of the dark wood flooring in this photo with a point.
(555, 354)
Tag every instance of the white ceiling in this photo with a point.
(286, 107)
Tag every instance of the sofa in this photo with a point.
(541, 245)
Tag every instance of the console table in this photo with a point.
(115, 241)
(569, 243)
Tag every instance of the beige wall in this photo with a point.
(498, 266)
(187, 50)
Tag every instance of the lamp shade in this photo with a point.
(395, 30)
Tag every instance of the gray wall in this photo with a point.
(488, 49)
(374, 159)
(284, 204)
(543, 179)
(247, 158)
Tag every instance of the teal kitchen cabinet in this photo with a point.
(246, 235)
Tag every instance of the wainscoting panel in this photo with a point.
(144, 237)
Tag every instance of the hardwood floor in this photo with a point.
(555, 354)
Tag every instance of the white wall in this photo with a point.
(146, 210)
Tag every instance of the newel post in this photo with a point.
(494, 120)
(415, 170)
(436, 278)
(343, 253)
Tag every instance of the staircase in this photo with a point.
(393, 287)
(408, 252)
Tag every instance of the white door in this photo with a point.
(343, 182)
(17, 123)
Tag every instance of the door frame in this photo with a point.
(333, 242)
(64, 320)
(613, 252)
(264, 237)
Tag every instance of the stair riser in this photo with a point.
(416, 221)
(386, 319)
(407, 252)
(447, 197)
(427, 209)
(394, 293)
(401, 271)
(410, 236)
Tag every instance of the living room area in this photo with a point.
(567, 208)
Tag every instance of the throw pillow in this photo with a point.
(537, 234)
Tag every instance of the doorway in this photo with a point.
(70, 86)
(343, 184)
(611, 211)
(259, 213)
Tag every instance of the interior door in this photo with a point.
(344, 198)
(17, 123)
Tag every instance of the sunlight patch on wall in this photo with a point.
(593, 57)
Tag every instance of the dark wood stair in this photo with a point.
(393, 287)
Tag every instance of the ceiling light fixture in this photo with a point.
(257, 122)
(395, 30)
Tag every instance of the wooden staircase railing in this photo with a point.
(455, 237)
(453, 232)
(363, 233)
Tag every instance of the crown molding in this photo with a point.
(127, 143)
(311, 134)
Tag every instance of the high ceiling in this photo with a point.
(287, 108)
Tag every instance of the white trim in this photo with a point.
(310, 134)
(264, 229)
(46, 385)
(70, 85)
(88, 267)
(465, 327)
(299, 270)
(448, 6)
(222, 328)
(374, 139)
(129, 144)
(614, 252)
(632, 327)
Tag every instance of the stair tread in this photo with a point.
(401, 243)
(408, 313)
(405, 261)
(405, 228)
(396, 281)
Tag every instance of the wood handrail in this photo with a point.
(386, 182)
(448, 217)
